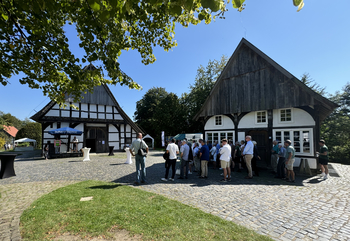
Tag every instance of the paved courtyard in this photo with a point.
(310, 209)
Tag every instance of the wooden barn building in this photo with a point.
(256, 96)
(100, 118)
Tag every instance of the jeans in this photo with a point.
(140, 168)
(170, 163)
(184, 164)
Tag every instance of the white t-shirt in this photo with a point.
(225, 152)
(173, 149)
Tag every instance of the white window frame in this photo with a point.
(219, 135)
(222, 120)
(291, 135)
(280, 115)
(256, 117)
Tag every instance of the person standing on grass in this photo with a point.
(173, 150)
(204, 157)
(323, 159)
(225, 157)
(290, 154)
(248, 155)
(140, 161)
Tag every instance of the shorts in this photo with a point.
(289, 166)
(323, 161)
(224, 164)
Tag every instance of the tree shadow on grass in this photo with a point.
(106, 186)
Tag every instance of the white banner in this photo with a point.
(163, 143)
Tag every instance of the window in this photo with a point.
(218, 136)
(286, 115)
(261, 117)
(218, 120)
(300, 139)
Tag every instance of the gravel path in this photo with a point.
(310, 209)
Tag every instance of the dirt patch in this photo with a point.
(119, 234)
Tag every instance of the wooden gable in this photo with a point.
(251, 81)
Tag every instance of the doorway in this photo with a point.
(261, 138)
(97, 139)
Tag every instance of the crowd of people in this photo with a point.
(228, 157)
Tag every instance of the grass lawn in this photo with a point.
(152, 216)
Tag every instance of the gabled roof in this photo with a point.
(252, 81)
(11, 130)
(99, 91)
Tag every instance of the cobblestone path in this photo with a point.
(310, 209)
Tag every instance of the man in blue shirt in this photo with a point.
(204, 156)
(248, 155)
(274, 156)
(281, 162)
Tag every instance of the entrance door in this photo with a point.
(261, 138)
(96, 139)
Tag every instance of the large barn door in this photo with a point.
(97, 139)
(261, 138)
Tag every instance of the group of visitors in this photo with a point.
(195, 157)
(7, 146)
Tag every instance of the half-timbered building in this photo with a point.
(256, 96)
(99, 116)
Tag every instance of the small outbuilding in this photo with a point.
(255, 96)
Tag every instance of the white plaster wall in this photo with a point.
(84, 107)
(249, 121)
(227, 123)
(241, 136)
(115, 110)
(101, 108)
(299, 118)
(109, 109)
(84, 115)
(118, 117)
(128, 128)
(75, 114)
(65, 113)
(53, 113)
(101, 116)
(93, 108)
(109, 116)
(93, 115)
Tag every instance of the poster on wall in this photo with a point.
(163, 144)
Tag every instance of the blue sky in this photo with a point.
(315, 40)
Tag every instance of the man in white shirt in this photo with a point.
(248, 155)
(225, 157)
(173, 151)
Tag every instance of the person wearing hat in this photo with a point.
(323, 159)
(290, 154)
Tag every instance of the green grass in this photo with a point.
(152, 216)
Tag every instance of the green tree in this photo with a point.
(335, 129)
(2, 142)
(33, 41)
(159, 111)
(31, 130)
(200, 90)
(306, 79)
(11, 120)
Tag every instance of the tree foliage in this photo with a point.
(335, 129)
(200, 90)
(31, 130)
(307, 80)
(33, 40)
(159, 111)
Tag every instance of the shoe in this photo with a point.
(248, 177)
(229, 179)
(180, 178)
(136, 183)
(325, 177)
(171, 179)
(164, 179)
(189, 172)
(223, 180)
(322, 174)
